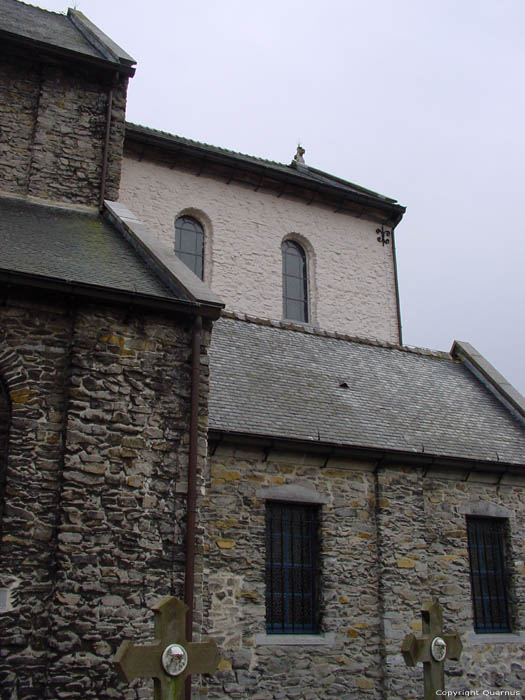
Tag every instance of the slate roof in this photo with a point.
(307, 174)
(73, 246)
(72, 33)
(268, 381)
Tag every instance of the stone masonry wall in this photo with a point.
(391, 540)
(95, 501)
(352, 286)
(348, 666)
(52, 126)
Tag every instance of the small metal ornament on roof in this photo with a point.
(433, 648)
(171, 658)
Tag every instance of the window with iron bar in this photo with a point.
(486, 542)
(291, 568)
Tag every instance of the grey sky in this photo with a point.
(421, 100)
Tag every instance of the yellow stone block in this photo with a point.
(21, 395)
(405, 563)
(416, 626)
(277, 480)
(112, 339)
(255, 477)
(223, 524)
(353, 633)
(334, 473)
(364, 683)
(225, 544)
(365, 535)
(229, 476)
(224, 665)
(343, 599)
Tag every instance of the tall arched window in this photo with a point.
(295, 282)
(189, 243)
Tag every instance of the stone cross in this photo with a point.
(432, 649)
(171, 658)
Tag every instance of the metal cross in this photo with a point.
(433, 648)
(171, 658)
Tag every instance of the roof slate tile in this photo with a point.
(285, 384)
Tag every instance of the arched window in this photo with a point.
(295, 282)
(189, 243)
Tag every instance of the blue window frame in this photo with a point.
(486, 541)
(291, 568)
(189, 243)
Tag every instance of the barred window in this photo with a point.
(291, 568)
(486, 542)
(295, 282)
(189, 243)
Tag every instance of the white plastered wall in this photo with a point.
(352, 284)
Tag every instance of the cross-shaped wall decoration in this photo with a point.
(432, 649)
(171, 658)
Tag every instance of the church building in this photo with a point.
(203, 394)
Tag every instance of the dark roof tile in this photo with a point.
(285, 384)
(73, 246)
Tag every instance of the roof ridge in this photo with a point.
(42, 9)
(207, 145)
(314, 330)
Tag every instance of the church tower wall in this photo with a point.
(352, 286)
(53, 123)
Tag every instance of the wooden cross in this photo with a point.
(171, 658)
(432, 649)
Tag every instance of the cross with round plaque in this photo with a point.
(432, 649)
(171, 658)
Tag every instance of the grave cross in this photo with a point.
(170, 658)
(432, 649)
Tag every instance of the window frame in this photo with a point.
(180, 252)
(287, 523)
(489, 580)
(288, 245)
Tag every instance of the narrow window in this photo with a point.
(291, 568)
(486, 542)
(189, 243)
(295, 282)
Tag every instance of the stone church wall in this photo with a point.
(243, 235)
(93, 530)
(392, 538)
(53, 121)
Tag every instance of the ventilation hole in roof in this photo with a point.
(343, 385)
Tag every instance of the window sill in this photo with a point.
(474, 639)
(326, 640)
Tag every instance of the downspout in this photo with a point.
(191, 499)
(396, 283)
(106, 147)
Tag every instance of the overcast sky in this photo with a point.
(421, 100)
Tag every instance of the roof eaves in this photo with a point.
(46, 283)
(317, 180)
(376, 454)
(171, 271)
(488, 375)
